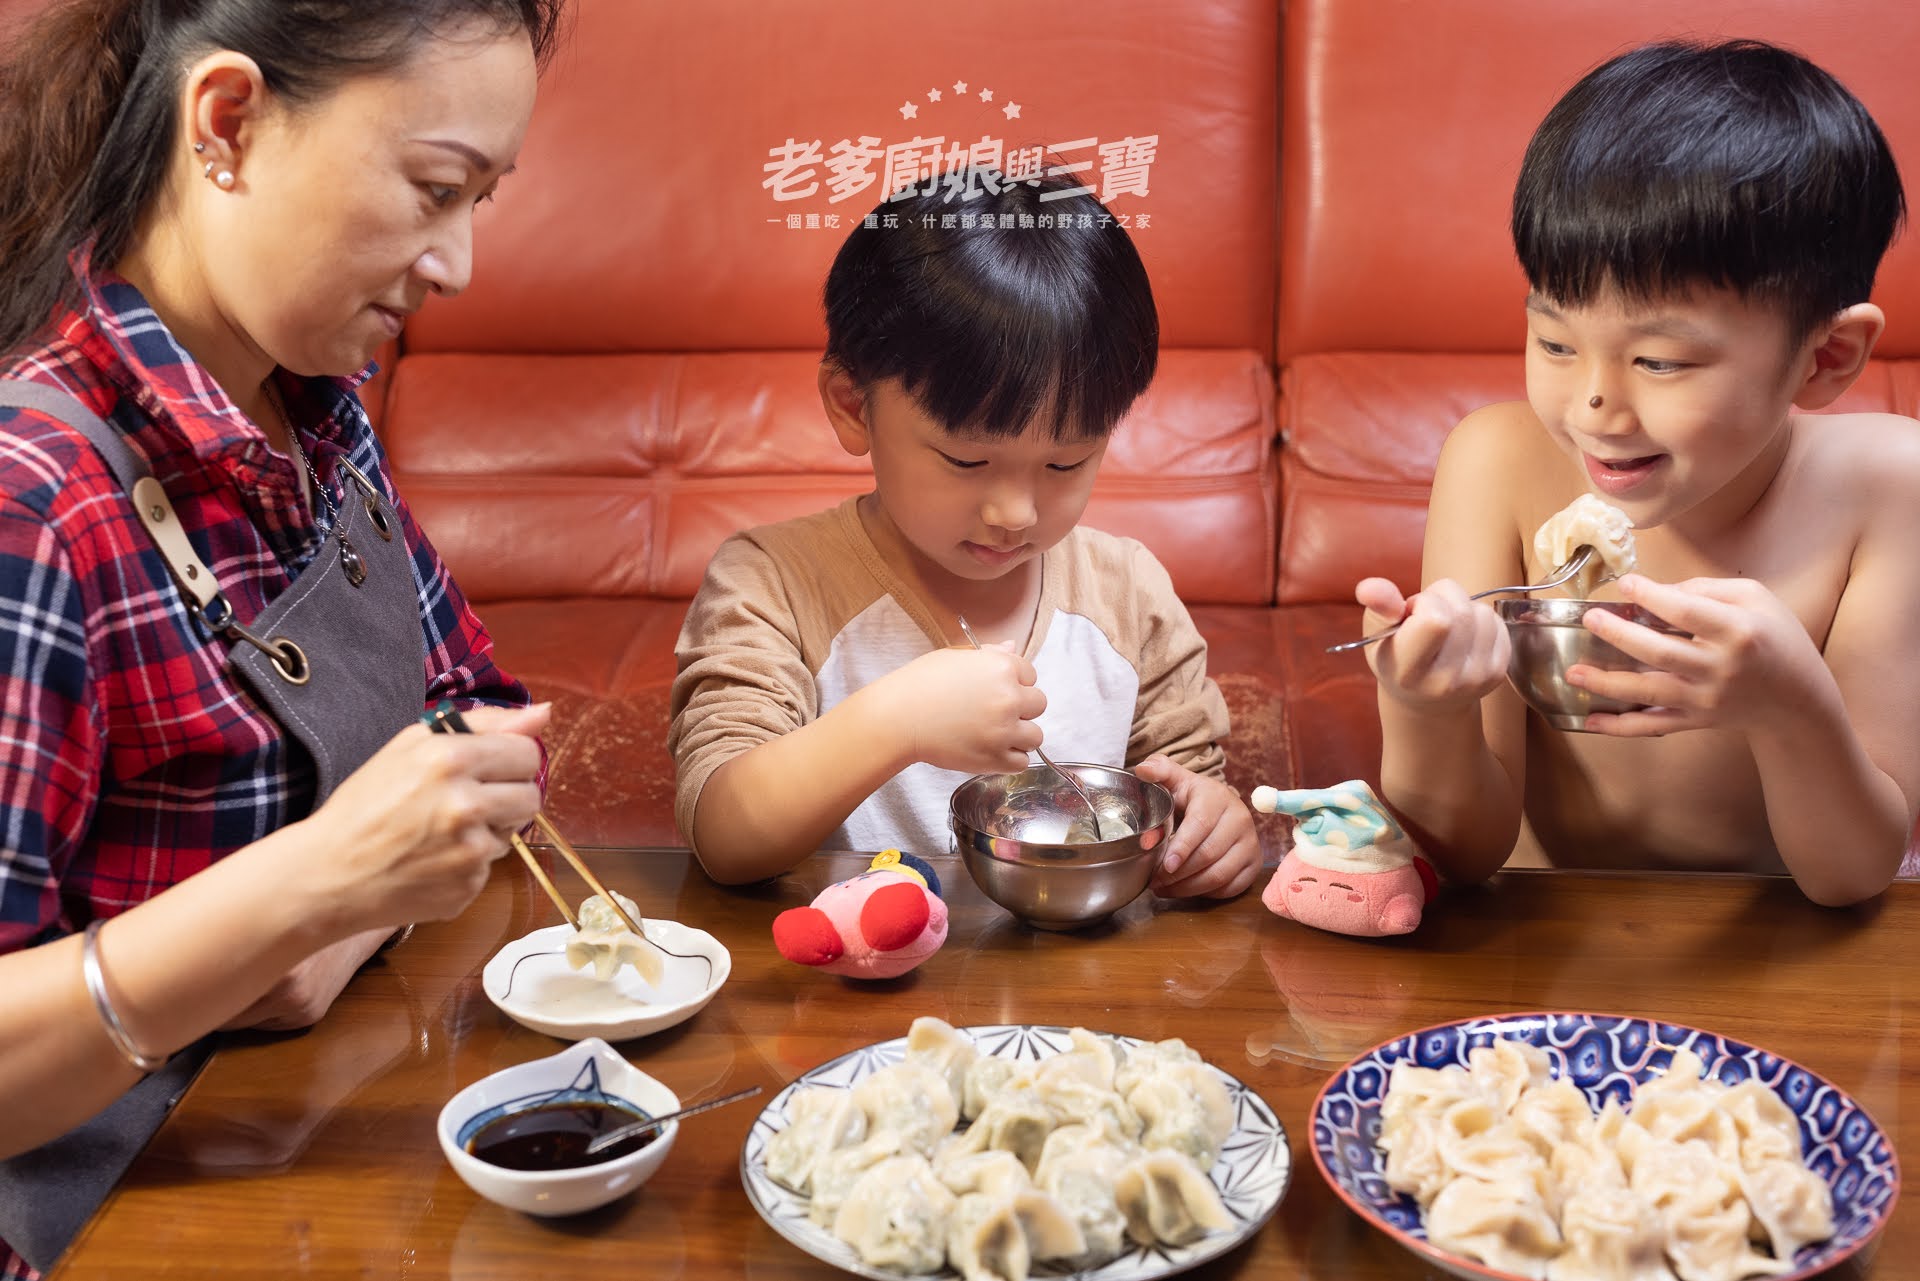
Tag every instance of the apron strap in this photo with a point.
(136, 480)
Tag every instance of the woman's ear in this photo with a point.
(225, 97)
(846, 407)
(1839, 354)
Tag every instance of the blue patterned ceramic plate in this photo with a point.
(1251, 1173)
(1606, 1056)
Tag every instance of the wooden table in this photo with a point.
(314, 1155)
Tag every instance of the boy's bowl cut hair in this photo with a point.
(1739, 165)
(995, 329)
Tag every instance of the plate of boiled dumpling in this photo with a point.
(1570, 1147)
(1016, 1150)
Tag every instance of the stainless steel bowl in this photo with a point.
(1548, 637)
(1011, 831)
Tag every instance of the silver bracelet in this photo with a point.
(97, 989)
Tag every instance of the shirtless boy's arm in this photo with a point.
(1832, 733)
(1454, 753)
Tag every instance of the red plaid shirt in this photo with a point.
(130, 758)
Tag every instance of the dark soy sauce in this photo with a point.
(554, 1136)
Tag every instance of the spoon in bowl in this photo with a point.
(1575, 564)
(625, 1132)
(1046, 760)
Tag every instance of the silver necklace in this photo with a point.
(350, 561)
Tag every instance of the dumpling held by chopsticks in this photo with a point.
(604, 942)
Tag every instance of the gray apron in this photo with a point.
(338, 659)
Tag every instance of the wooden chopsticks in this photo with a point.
(445, 718)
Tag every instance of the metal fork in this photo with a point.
(1577, 562)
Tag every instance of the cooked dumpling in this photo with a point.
(607, 950)
(1474, 1141)
(986, 1077)
(1553, 1114)
(1091, 1060)
(1079, 1172)
(990, 1173)
(911, 1100)
(985, 1241)
(939, 1045)
(819, 1120)
(1610, 1235)
(1138, 1062)
(1185, 1109)
(1767, 1128)
(1165, 1198)
(1075, 1102)
(835, 1173)
(1504, 1224)
(1792, 1204)
(1505, 1068)
(896, 1216)
(1017, 1121)
(595, 915)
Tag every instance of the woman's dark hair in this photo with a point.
(88, 107)
(994, 327)
(1736, 164)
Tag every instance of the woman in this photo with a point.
(214, 212)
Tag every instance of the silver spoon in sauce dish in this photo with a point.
(1046, 760)
(625, 1132)
(1566, 573)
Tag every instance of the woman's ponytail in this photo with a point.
(61, 87)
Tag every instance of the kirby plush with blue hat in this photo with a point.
(877, 925)
(1352, 870)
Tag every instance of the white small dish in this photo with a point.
(589, 1071)
(530, 981)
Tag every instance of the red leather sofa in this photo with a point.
(630, 376)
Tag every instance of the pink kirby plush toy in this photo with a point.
(1352, 869)
(877, 925)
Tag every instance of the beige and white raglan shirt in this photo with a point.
(795, 617)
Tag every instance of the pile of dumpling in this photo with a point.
(1065, 1158)
(1511, 1167)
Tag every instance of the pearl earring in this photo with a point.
(224, 180)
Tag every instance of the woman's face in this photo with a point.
(348, 212)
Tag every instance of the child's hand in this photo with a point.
(1449, 653)
(1213, 851)
(970, 710)
(1747, 655)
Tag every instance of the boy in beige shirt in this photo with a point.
(1700, 226)
(825, 696)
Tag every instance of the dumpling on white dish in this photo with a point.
(1091, 1061)
(835, 1173)
(895, 1215)
(1017, 1121)
(986, 1077)
(911, 1100)
(1183, 1107)
(1166, 1198)
(819, 1121)
(1137, 1062)
(938, 1044)
(1079, 1172)
(990, 1173)
(594, 914)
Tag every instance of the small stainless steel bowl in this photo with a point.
(1548, 637)
(1011, 829)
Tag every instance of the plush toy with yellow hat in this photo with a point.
(1352, 869)
(877, 925)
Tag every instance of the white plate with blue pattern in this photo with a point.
(1607, 1056)
(1251, 1174)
